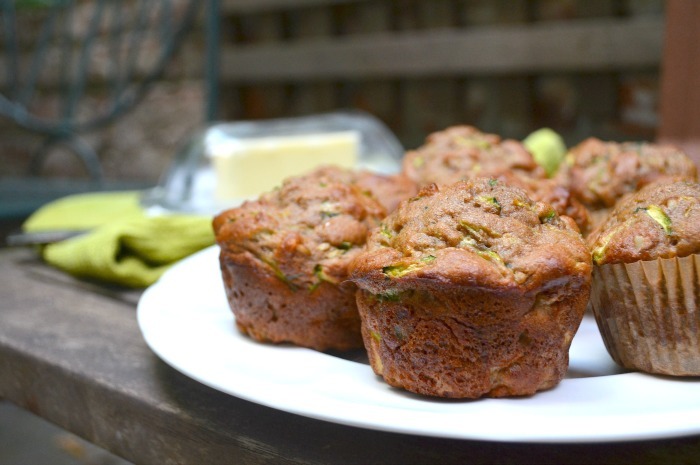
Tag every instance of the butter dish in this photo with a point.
(229, 162)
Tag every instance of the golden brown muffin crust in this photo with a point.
(472, 290)
(599, 173)
(310, 220)
(660, 221)
(479, 232)
(387, 189)
(551, 192)
(284, 255)
(464, 152)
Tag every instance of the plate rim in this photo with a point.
(146, 307)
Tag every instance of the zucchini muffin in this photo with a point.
(645, 280)
(464, 152)
(284, 256)
(599, 173)
(472, 290)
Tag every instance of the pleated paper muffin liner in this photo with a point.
(648, 314)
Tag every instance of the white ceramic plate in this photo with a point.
(186, 321)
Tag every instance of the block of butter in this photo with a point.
(247, 167)
(228, 162)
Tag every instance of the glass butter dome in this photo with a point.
(227, 163)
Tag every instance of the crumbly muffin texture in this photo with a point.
(551, 192)
(284, 256)
(661, 220)
(464, 152)
(600, 173)
(472, 290)
(387, 189)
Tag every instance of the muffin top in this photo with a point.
(661, 220)
(388, 190)
(599, 173)
(304, 232)
(478, 233)
(553, 193)
(463, 152)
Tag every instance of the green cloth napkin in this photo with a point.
(80, 212)
(124, 245)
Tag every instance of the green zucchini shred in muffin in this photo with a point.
(662, 220)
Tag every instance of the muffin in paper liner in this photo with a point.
(648, 316)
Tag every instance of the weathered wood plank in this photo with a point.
(75, 356)
(582, 45)
(680, 82)
(256, 6)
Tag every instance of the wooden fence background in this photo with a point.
(582, 67)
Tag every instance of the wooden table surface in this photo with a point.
(72, 353)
